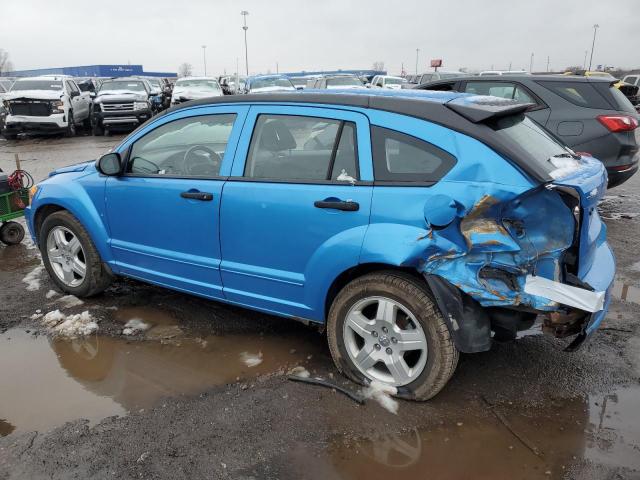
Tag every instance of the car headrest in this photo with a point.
(276, 137)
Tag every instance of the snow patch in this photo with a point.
(135, 325)
(72, 326)
(300, 372)
(32, 279)
(564, 167)
(51, 294)
(251, 359)
(381, 393)
(70, 301)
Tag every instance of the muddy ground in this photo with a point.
(202, 392)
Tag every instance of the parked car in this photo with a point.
(228, 84)
(589, 114)
(159, 97)
(338, 82)
(387, 81)
(433, 76)
(47, 104)
(120, 104)
(268, 83)
(500, 73)
(192, 88)
(89, 84)
(426, 223)
(299, 82)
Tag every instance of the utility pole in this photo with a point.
(244, 14)
(531, 64)
(204, 58)
(584, 64)
(510, 64)
(593, 45)
(277, 68)
(547, 63)
(417, 53)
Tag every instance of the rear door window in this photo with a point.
(292, 147)
(402, 158)
(579, 93)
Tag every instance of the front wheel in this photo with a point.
(71, 126)
(386, 327)
(70, 256)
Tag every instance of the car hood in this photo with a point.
(78, 167)
(123, 96)
(35, 94)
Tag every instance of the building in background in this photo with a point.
(91, 71)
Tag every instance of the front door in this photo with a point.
(294, 214)
(163, 212)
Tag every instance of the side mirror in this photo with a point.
(109, 164)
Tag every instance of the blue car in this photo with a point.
(410, 225)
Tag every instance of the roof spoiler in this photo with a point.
(480, 108)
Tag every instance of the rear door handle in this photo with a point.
(204, 196)
(347, 206)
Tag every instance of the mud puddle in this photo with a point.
(53, 380)
(507, 444)
(17, 257)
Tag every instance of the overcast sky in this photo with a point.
(319, 34)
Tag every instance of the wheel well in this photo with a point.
(358, 271)
(42, 213)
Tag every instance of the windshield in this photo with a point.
(130, 86)
(527, 134)
(299, 82)
(272, 82)
(198, 84)
(21, 85)
(343, 81)
(395, 81)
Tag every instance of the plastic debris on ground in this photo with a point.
(381, 393)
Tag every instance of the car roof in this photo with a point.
(46, 77)
(198, 78)
(527, 77)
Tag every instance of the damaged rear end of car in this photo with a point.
(498, 255)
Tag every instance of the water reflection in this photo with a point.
(56, 380)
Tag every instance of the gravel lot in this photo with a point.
(200, 390)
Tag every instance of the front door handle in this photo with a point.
(347, 206)
(204, 196)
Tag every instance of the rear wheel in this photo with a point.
(70, 256)
(96, 128)
(385, 327)
(11, 233)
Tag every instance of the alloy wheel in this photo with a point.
(66, 256)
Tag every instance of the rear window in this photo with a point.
(532, 138)
(621, 101)
(579, 93)
(402, 158)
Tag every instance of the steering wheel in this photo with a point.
(201, 160)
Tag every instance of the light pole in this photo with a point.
(204, 58)
(417, 53)
(584, 64)
(531, 64)
(244, 14)
(593, 45)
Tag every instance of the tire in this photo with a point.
(11, 233)
(86, 123)
(96, 276)
(71, 126)
(10, 136)
(97, 130)
(430, 373)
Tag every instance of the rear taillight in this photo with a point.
(618, 123)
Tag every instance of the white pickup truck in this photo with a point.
(47, 104)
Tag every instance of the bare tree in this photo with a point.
(185, 70)
(378, 66)
(5, 63)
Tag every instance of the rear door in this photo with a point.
(295, 209)
(163, 213)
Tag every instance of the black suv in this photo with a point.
(588, 114)
(120, 103)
